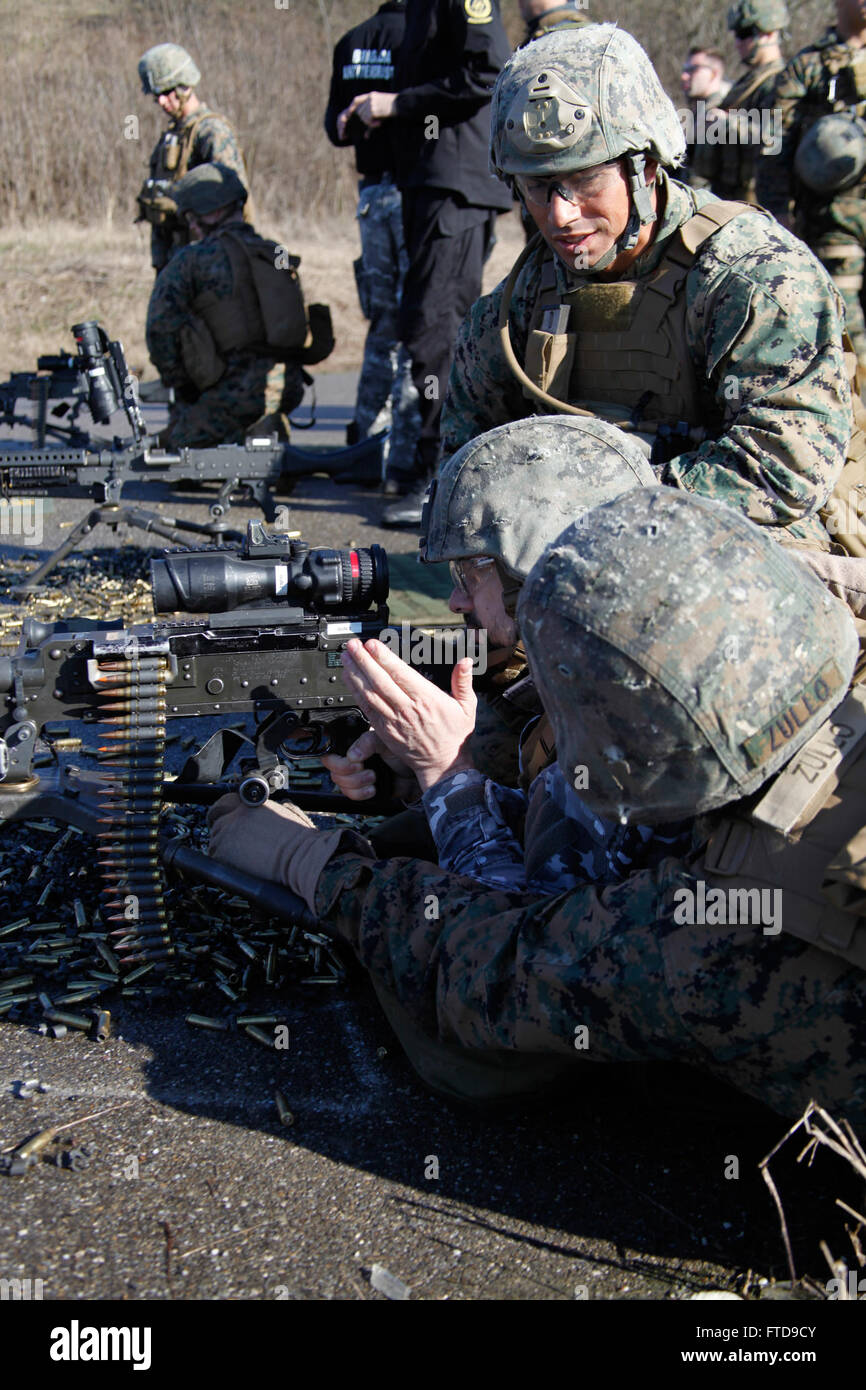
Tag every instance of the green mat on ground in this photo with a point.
(419, 593)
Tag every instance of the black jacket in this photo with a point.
(364, 61)
(452, 53)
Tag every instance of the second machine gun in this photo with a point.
(99, 376)
(277, 617)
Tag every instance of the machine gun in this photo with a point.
(99, 377)
(277, 616)
(57, 378)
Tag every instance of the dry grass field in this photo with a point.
(76, 131)
(56, 274)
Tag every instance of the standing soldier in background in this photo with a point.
(222, 313)
(450, 58)
(363, 59)
(821, 166)
(703, 83)
(540, 16)
(728, 169)
(196, 135)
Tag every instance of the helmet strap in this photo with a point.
(641, 202)
(511, 588)
(642, 212)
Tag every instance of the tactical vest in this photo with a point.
(626, 356)
(169, 162)
(627, 360)
(174, 151)
(843, 78)
(807, 837)
(264, 314)
(842, 89)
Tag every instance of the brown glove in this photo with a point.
(276, 842)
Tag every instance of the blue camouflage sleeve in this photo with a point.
(474, 822)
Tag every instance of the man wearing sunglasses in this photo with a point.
(704, 326)
(817, 182)
(727, 167)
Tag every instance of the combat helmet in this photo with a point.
(207, 188)
(576, 98)
(682, 655)
(166, 66)
(766, 15)
(509, 493)
(832, 154)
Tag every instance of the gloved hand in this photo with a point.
(275, 841)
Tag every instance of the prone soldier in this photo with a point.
(493, 508)
(652, 907)
(195, 135)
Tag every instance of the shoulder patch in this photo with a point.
(478, 11)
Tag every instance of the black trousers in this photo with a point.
(448, 243)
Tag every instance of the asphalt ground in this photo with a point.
(188, 1186)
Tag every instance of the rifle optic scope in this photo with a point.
(102, 393)
(215, 581)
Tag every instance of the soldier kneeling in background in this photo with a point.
(223, 311)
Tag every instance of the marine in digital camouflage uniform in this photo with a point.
(748, 402)
(195, 135)
(223, 412)
(684, 660)
(825, 78)
(727, 168)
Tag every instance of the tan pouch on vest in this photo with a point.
(820, 796)
(202, 363)
(549, 361)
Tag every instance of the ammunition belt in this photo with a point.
(132, 686)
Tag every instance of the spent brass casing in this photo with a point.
(285, 1114)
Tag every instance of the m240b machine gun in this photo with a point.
(278, 616)
(100, 376)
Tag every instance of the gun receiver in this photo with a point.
(280, 616)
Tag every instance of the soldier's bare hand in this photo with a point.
(370, 107)
(416, 721)
(358, 782)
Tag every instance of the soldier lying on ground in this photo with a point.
(683, 659)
